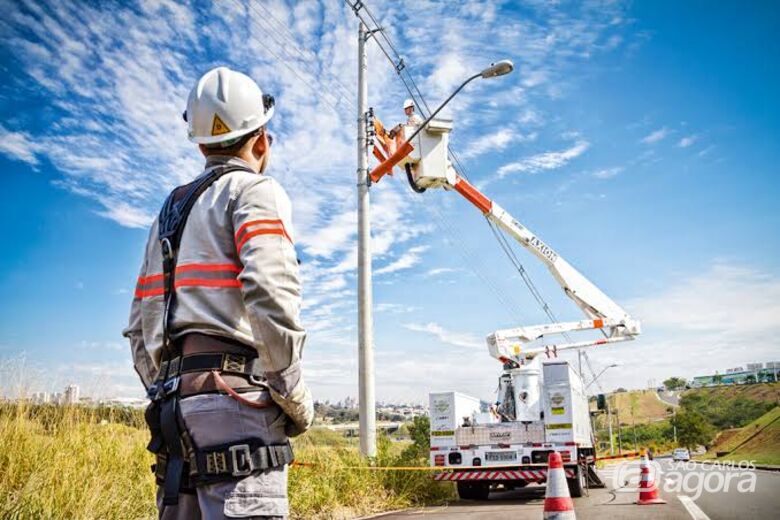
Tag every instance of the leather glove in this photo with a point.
(289, 391)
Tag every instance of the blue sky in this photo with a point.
(638, 139)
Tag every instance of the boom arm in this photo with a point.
(603, 312)
(423, 152)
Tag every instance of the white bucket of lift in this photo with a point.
(428, 160)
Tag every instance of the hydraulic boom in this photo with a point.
(424, 158)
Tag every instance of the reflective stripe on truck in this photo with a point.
(529, 475)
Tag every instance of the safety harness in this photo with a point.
(181, 464)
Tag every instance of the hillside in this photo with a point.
(768, 392)
(759, 441)
(645, 404)
(735, 406)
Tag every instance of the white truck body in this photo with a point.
(514, 452)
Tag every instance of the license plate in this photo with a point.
(500, 456)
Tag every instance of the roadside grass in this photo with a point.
(91, 463)
(73, 462)
(645, 403)
(758, 441)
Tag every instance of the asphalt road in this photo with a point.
(690, 492)
(671, 398)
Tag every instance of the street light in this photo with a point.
(495, 70)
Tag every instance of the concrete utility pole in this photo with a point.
(365, 319)
(609, 418)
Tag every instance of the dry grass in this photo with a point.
(645, 404)
(85, 463)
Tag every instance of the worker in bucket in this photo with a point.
(412, 119)
(214, 326)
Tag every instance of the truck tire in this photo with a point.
(577, 484)
(473, 490)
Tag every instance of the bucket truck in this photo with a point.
(541, 406)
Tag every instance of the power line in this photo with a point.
(276, 26)
(287, 64)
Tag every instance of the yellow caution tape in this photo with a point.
(411, 468)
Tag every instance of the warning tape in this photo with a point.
(628, 455)
(411, 468)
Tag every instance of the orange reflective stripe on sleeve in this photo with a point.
(269, 227)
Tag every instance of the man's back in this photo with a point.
(214, 275)
(214, 326)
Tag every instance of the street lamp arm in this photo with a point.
(425, 123)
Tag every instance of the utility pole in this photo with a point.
(365, 319)
(609, 418)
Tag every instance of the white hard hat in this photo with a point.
(225, 105)
(408, 103)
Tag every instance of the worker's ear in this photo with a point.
(203, 150)
(260, 146)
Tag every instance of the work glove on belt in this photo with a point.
(289, 391)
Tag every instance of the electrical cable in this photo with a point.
(400, 66)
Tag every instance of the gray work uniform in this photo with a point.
(236, 277)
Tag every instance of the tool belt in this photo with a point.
(228, 462)
(191, 373)
(236, 363)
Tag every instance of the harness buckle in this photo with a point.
(170, 386)
(246, 466)
(166, 248)
(233, 363)
(153, 392)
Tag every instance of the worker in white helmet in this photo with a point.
(412, 119)
(214, 327)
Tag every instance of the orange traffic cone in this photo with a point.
(557, 500)
(648, 491)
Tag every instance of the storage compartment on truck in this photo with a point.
(566, 414)
(500, 433)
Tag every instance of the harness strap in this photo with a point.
(239, 459)
(230, 461)
(174, 470)
(165, 391)
(224, 362)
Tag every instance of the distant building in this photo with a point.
(56, 397)
(41, 398)
(740, 376)
(71, 395)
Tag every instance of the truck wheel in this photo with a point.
(473, 490)
(576, 484)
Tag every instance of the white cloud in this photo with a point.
(687, 141)
(545, 161)
(457, 339)
(19, 145)
(656, 136)
(393, 308)
(407, 260)
(495, 142)
(608, 173)
(724, 316)
(726, 300)
(440, 271)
